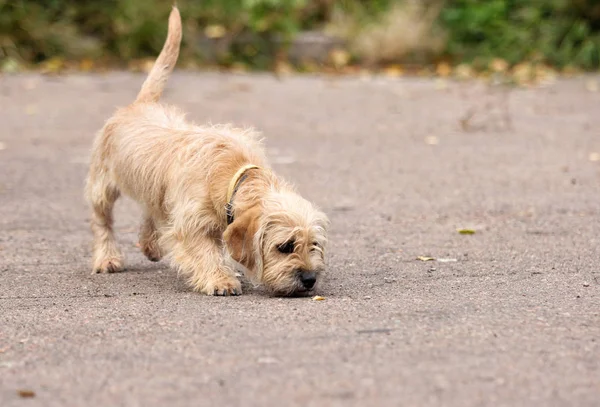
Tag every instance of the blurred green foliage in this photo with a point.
(559, 32)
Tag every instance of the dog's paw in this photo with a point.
(108, 265)
(224, 287)
(151, 251)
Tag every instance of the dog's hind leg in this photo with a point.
(101, 194)
(149, 238)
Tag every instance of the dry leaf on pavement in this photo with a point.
(214, 31)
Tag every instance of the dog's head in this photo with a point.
(281, 241)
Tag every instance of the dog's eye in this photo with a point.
(287, 247)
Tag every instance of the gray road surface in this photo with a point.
(509, 316)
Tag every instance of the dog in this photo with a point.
(210, 200)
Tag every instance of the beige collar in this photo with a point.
(233, 185)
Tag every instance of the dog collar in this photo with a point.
(234, 184)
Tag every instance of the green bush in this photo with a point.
(557, 32)
(37, 30)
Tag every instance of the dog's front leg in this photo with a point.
(200, 258)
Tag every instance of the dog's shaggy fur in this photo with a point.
(180, 173)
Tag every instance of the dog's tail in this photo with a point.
(155, 82)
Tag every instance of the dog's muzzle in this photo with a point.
(308, 279)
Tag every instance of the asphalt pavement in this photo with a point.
(507, 316)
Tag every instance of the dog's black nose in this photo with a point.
(308, 279)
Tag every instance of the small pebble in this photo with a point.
(367, 297)
(586, 284)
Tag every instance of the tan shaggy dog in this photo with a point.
(208, 195)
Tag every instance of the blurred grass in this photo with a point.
(256, 33)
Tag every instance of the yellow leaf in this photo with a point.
(283, 68)
(147, 65)
(86, 65)
(339, 57)
(498, 65)
(425, 258)
(466, 231)
(53, 65)
(443, 69)
(522, 73)
(464, 71)
(318, 298)
(214, 31)
(238, 67)
(592, 85)
(393, 71)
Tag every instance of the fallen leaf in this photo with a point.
(393, 71)
(30, 110)
(214, 31)
(594, 157)
(466, 231)
(26, 394)
(570, 71)
(522, 73)
(140, 65)
(339, 57)
(592, 85)
(464, 71)
(432, 140)
(425, 258)
(443, 69)
(53, 65)
(498, 65)
(86, 65)
(238, 67)
(10, 65)
(545, 74)
(318, 298)
(441, 84)
(147, 65)
(283, 68)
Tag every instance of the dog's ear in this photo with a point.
(239, 237)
